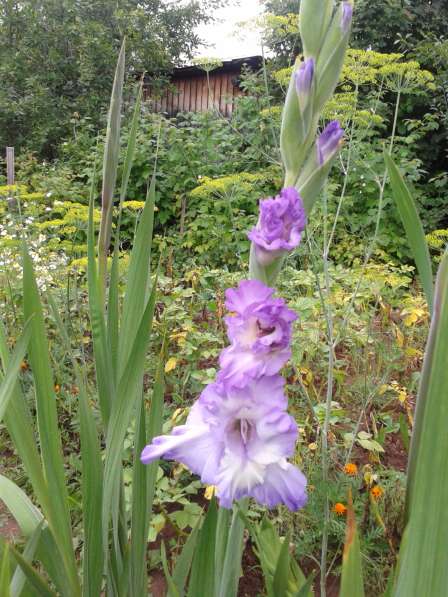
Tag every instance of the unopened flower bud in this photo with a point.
(329, 142)
(304, 80)
(347, 14)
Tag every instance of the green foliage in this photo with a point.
(57, 59)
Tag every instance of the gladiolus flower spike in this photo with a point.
(238, 434)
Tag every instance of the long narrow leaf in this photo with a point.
(19, 579)
(281, 574)
(35, 579)
(49, 435)
(123, 408)
(110, 165)
(202, 579)
(19, 424)
(8, 383)
(234, 551)
(92, 475)
(5, 573)
(413, 227)
(422, 562)
(351, 580)
(138, 278)
(103, 357)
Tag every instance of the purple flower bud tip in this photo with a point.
(280, 226)
(347, 14)
(304, 77)
(329, 141)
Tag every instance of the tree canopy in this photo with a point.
(57, 58)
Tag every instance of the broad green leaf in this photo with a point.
(351, 578)
(202, 578)
(8, 383)
(58, 514)
(422, 561)
(110, 165)
(413, 227)
(281, 573)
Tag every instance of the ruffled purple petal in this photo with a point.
(282, 484)
(281, 223)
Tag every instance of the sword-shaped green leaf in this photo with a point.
(413, 227)
(422, 563)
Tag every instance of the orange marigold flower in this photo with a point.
(376, 492)
(339, 509)
(351, 469)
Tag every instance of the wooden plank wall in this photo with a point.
(192, 94)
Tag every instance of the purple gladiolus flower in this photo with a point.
(304, 79)
(347, 14)
(329, 141)
(280, 226)
(239, 440)
(260, 332)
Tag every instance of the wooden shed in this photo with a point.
(190, 89)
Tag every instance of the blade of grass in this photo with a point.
(413, 227)
(47, 422)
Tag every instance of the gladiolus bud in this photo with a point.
(329, 142)
(304, 77)
(347, 14)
